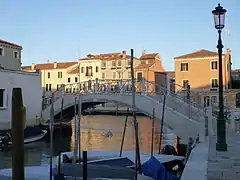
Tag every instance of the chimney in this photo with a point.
(143, 52)
(124, 54)
(33, 66)
(55, 65)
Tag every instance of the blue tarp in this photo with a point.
(154, 169)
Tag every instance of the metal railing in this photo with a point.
(181, 100)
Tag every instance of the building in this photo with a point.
(53, 75)
(200, 70)
(150, 65)
(171, 77)
(10, 55)
(106, 66)
(31, 92)
(151, 69)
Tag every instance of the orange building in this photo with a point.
(200, 70)
(150, 67)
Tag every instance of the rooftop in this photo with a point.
(148, 56)
(10, 43)
(198, 54)
(61, 65)
(143, 66)
(107, 56)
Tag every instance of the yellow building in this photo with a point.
(106, 66)
(53, 75)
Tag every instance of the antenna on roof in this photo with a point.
(143, 51)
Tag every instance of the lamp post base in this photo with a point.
(221, 146)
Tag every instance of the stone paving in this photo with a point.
(224, 165)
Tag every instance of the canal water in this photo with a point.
(93, 138)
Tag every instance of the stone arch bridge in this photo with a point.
(182, 114)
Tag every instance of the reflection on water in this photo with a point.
(93, 138)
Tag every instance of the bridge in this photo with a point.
(183, 115)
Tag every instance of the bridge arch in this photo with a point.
(180, 124)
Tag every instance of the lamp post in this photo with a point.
(219, 19)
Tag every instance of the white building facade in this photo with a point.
(31, 93)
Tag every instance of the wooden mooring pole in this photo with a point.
(152, 131)
(17, 135)
(137, 152)
(124, 132)
(162, 122)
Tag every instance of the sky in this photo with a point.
(66, 30)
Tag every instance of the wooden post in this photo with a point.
(62, 101)
(152, 131)
(189, 101)
(138, 161)
(17, 135)
(24, 118)
(162, 122)
(84, 165)
(75, 132)
(124, 132)
(51, 127)
(79, 126)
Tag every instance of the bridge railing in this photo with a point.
(181, 100)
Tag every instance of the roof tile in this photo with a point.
(143, 66)
(48, 66)
(148, 56)
(9, 43)
(198, 54)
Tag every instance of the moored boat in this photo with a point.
(31, 134)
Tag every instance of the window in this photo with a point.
(185, 84)
(76, 79)
(46, 87)
(129, 75)
(206, 101)
(1, 51)
(213, 99)
(172, 85)
(184, 66)
(238, 100)
(129, 62)
(114, 75)
(49, 75)
(89, 71)
(69, 79)
(119, 75)
(59, 74)
(139, 76)
(214, 65)
(2, 98)
(103, 64)
(103, 75)
(113, 63)
(58, 87)
(50, 87)
(150, 61)
(97, 69)
(119, 63)
(82, 69)
(214, 83)
(143, 62)
(15, 54)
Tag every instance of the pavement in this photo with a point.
(224, 165)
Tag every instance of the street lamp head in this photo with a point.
(219, 17)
